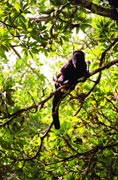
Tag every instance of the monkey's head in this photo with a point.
(78, 58)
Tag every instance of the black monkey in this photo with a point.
(74, 69)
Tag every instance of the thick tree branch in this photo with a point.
(94, 150)
(35, 106)
(106, 66)
(94, 8)
(39, 19)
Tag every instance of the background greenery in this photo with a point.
(36, 38)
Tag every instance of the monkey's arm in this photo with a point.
(68, 70)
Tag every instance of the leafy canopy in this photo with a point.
(36, 38)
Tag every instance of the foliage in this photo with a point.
(36, 38)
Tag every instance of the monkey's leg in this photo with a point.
(55, 108)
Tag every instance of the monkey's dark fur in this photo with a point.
(74, 69)
(113, 3)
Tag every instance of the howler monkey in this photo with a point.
(74, 69)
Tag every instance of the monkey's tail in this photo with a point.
(55, 108)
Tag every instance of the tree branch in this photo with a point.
(39, 19)
(94, 8)
(106, 66)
